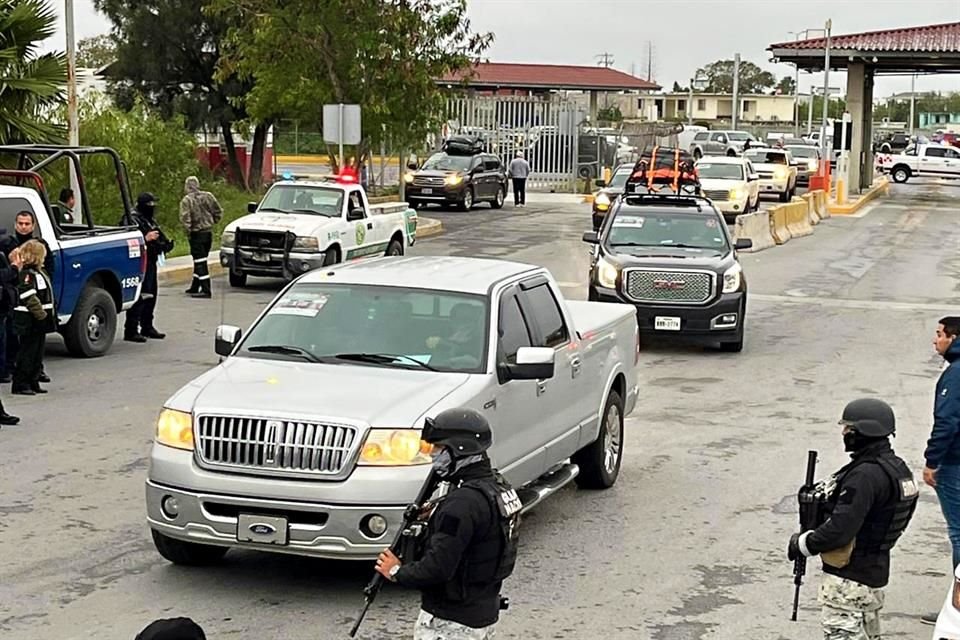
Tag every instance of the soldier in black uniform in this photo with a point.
(33, 318)
(138, 325)
(471, 542)
(867, 505)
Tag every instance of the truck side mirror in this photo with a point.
(600, 183)
(743, 244)
(252, 207)
(412, 166)
(591, 237)
(533, 363)
(226, 339)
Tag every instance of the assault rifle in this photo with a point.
(412, 528)
(809, 516)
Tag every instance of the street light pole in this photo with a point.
(72, 120)
(913, 100)
(826, 92)
(690, 104)
(736, 91)
(796, 104)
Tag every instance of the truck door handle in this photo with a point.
(541, 387)
(76, 265)
(575, 365)
(369, 225)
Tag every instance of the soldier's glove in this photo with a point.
(793, 549)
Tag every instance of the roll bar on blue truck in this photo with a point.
(99, 267)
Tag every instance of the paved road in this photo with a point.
(688, 545)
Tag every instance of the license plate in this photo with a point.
(427, 192)
(664, 323)
(261, 529)
(259, 256)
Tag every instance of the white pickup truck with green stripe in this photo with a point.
(304, 225)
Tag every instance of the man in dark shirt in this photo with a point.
(869, 503)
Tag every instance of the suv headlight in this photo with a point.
(228, 240)
(395, 447)
(408, 178)
(175, 429)
(780, 173)
(737, 193)
(731, 278)
(602, 201)
(453, 180)
(812, 165)
(304, 243)
(606, 274)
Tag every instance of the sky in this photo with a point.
(684, 34)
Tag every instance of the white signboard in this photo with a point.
(341, 119)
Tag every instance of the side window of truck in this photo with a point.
(513, 331)
(540, 304)
(9, 208)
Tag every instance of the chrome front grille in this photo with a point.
(689, 287)
(428, 181)
(765, 175)
(717, 194)
(274, 447)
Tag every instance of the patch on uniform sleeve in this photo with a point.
(846, 495)
(448, 524)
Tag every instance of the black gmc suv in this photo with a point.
(672, 257)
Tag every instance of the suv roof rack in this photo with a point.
(663, 167)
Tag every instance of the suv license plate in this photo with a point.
(427, 192)
(259, 256)
(664, 323)
(261, 529)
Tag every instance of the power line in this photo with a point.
(604, 59)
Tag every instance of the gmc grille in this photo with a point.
(690, 287)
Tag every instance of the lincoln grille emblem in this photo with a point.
(273, 441)
(669, 285)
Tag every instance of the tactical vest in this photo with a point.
(494, 557)
(883, 526)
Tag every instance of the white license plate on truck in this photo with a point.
(666, 323)
(427, 192)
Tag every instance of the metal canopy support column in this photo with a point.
(594, 108)
(866, 171)
(857, 105)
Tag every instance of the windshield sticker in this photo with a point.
(306, 305)
(711, 223)
(628, 221)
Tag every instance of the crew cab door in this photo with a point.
(933, 160)
(951, 163)
(364, 232)
(564, 393)
(518, 405)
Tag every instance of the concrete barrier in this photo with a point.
(808, 199)
(798, 221)
(880, 186)
(820, 199)
(778, 225)
(756, 228)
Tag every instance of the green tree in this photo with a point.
(96, 52)
(836, 109)
(168, 52)
(753, 79)
(31, 84)
(787, 85)
(384, 56)
(676, 87)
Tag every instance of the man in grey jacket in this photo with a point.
(199, 213)
(519, 171)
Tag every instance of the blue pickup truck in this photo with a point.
(98, 269)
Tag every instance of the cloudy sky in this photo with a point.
(685, 34)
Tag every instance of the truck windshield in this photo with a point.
(443, 162)
(766, 157)
(619, 179)
(740, 136)
(373, 326)
(667, 229)
(720, 171)
(294, 198)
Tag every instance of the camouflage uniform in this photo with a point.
(199, 212)
(851, 611)
(430, 627)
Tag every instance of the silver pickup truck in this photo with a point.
(306, 438)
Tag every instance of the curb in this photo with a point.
(426, 228)
(849, 209)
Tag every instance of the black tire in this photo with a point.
(731, 153)
(395, 248)
(900, 174)
(785, 196)
(597, 471)
(93, 326)
(331, 257)
(497, 202)
(189, 554)
(697, 154)
(238, 280)
(886, 148)
(467, 200)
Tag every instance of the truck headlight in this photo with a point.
(731, 279)
(175, 429)
(780, 173)
(812, 165)
(606, 274)
(228, 239)
(602, 201)
(453, 180)
(408, 178)
(304, 243)
(737, 193)
(395, 447)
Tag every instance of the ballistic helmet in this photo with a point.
(464, 432)
(870, 418)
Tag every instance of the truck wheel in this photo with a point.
(395, 248)
(885, 148)
(599, 461)
(497, 202)
(238, 280)
(697, 154)
(785, 196)
(466, 203)
(189, 554)
(900, 174)
(92, 328)
(331, 257)
(731, 153)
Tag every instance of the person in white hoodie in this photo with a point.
(518, 172)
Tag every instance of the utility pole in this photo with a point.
(73, 126)
(736, 91)
(826, 94)
(796, 104)
(604, 59)
(649, 61)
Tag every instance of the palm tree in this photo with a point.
(31, 84)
